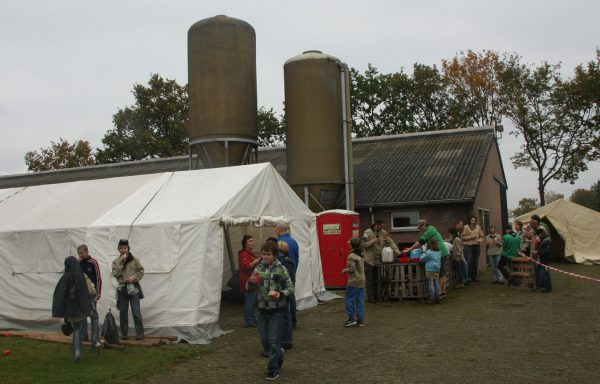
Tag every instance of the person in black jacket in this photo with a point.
(545, 253)
(71, 301)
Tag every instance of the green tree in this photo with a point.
(557, 142)
(60, 155)
(384, 104)
(526, 204)
(155, 126)
(550, 196)
(428, 100)
(368, 92)
(271, 129)
(589, 198)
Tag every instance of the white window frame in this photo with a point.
(414, 228)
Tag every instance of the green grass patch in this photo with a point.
(33, 361)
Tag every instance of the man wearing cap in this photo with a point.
(128, 271)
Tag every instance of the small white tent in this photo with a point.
(174, 222)
(577, 227)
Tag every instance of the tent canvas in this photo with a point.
(174, 222)
(577, 227)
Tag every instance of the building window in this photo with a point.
(405, 221)
(484, 220)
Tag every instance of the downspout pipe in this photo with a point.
(343, 72)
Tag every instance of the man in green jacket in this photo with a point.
(511, 244)
(430, 231)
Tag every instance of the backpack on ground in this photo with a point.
(110, 332)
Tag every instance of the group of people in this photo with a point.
(457, 257)
(80, 288)
(268, 285)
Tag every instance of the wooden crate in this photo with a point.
(402, 281)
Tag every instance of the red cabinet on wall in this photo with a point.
(336, 228)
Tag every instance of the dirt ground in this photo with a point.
(484, 333)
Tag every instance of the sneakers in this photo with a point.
(360, 323)
(139, 337)
(272, 376)
(350, 323)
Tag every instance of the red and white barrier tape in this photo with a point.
(559, 270)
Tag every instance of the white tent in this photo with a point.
(174, 222)
(577, 227)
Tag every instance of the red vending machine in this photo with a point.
(336, 227)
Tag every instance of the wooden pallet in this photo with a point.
(522, 270)
(402, 281)
(149, 341)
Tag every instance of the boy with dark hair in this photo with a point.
(545, 252)
(355, 289)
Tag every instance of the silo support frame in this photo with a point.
(199, 146)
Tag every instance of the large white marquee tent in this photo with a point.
(176, 222)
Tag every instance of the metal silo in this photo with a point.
(318, 131)
(222, 92)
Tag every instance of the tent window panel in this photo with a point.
(38, 251)
(160, 250)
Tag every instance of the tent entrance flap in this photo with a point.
(234, 233)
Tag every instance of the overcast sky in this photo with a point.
(67, 66)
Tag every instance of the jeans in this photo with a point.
(433, 285)
(288, 331)
(496, 275)
(460, 269)
(471, 253)
(95, 325)
(78, 327)
(544, 278)
(355, 303)
(249, 304)
(270, 330)
(123, 304)
(371, 285)
(501, 264)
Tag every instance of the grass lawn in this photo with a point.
(32, 361)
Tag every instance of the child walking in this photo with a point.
(433, 261)
(355, 289)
